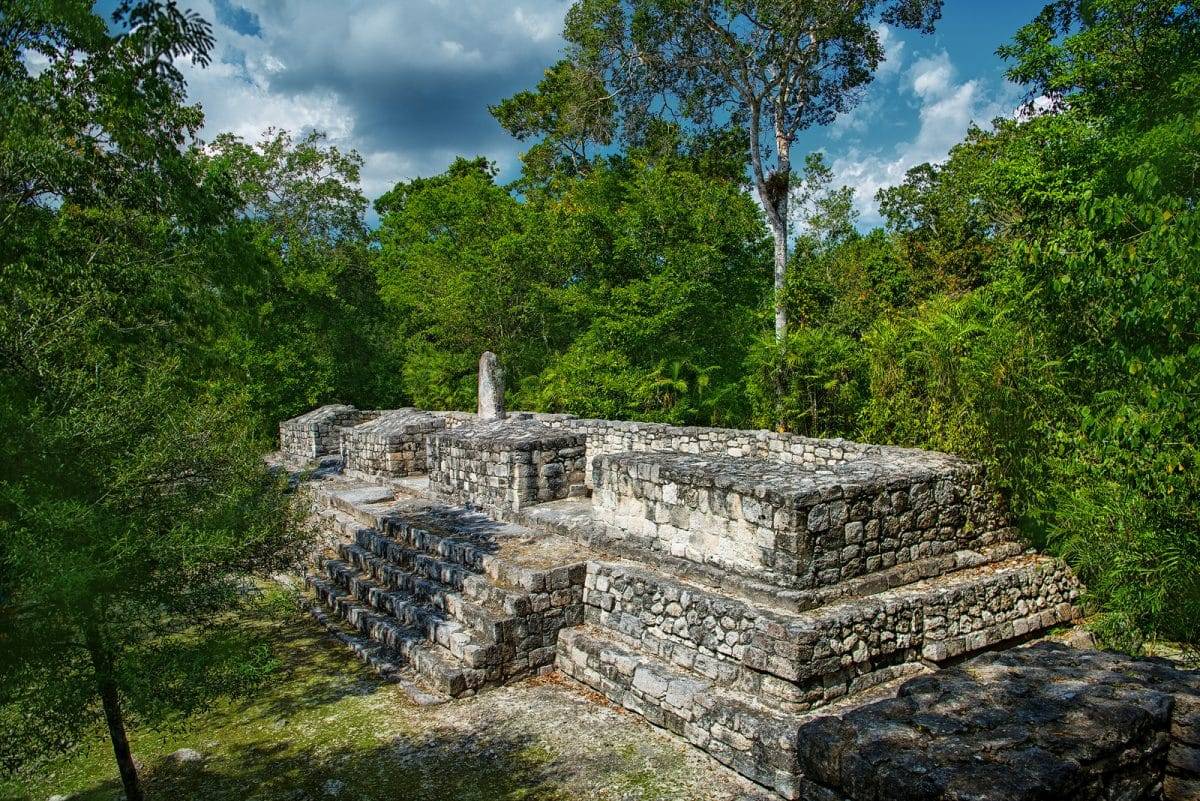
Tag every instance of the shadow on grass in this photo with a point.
(437, 768)
(316, 671)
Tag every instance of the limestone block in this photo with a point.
(491, 388)
(505, 465)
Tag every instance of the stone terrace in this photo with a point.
(390, 446)
(792, 607)
(803, 528)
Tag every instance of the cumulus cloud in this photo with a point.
(870, 111)
(406, 84)
(946, 107)
(893, 52)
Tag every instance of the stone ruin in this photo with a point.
(831, 620)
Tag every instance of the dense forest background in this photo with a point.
(1033, 302)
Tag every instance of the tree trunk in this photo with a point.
(783, 179)
(779, 233)
(107, 687)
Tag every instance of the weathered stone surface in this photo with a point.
(1029, 723)
(808, 659)
(185, 756)
(622, 436)
(801, 527)
(755, 593)
(757, 742)
(391, 445)
(319, 432)
(491, 388)
(468, 601)
(505, 464)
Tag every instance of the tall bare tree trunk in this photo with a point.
(782, 187)
(779, 233)
(107, 686)
(773, 189)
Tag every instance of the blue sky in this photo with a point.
(407, 82)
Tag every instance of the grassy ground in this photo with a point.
(325, 727)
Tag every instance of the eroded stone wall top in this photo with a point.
(1028, 723)
(505, 465)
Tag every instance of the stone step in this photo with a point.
(436, 666)
(512, 587)
(386, 662)
(474, 649)
(475, 585)
(533, 563)
(577, 519)
(382, 659)
(366, 504)
(523, 624)
(454, 558)
(487, 619)
(806, 660)
(757, 742)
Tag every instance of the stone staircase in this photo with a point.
(459, 600)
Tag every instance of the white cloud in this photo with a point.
(893, 52)
(867, 113)
(240, 101)
(542, 24)
(946, 109)
(1042, 104)
(931, 76)
(406, 84)
(34, 61)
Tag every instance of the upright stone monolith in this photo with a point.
(491, 388)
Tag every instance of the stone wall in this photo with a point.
(319, 432)
(806, 661)
(611, 436)
(505, 465)
(620, 436)
(455, 419)
(752, 738)
(390, 446)
(800, 528)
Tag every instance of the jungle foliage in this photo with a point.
(1033, 301)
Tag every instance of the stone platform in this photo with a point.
(800, 527)
(391, 445)
(811, 629)
(505, 465)
(1040, 722)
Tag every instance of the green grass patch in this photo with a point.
(322, 726)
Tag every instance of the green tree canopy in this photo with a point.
(134, 503)
(770, 67)
(310, 307)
